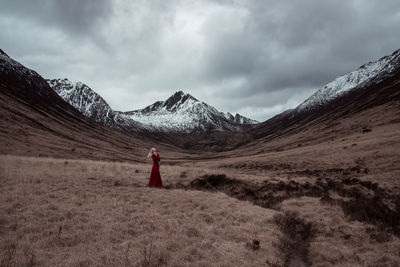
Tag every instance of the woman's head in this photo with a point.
(152, 150)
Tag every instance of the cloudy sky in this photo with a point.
(254, 57)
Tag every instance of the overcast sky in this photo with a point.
(254, 57)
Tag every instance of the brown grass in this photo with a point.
(341, 241)
(72, 213)
(57, 212)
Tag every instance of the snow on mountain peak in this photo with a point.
(183, 112)
(367, 73)
(177, 99)
(85, 100)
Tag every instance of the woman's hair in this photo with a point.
(150, 152)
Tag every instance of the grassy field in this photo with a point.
(57, 212)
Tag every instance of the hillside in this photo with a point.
(35, 121)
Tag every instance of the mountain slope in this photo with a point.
(82, 98)
(12, 73)
(35, 121)
(179, 113)
(367, 75)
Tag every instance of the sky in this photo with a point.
(253, 57)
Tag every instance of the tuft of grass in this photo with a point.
(152, 257)
(30, 256)
(8, 255)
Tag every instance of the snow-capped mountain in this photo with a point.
(183, 112)
(91, 104)
(179, 113)
(84, 99)
(239, 118)
(368, 74)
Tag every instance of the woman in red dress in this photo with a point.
(155, 177)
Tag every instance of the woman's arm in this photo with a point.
(156, 155)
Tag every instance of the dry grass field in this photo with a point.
(79, 213)
(63, 212)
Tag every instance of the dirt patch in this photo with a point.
(294, 243)
(374, 210)
(354, 171)
(238, 189)
(360, 200)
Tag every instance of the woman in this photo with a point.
(155, 177)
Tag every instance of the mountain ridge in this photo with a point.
(361, 83)
(177, 108)
(179, 113)
(366, 75)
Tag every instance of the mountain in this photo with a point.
(36, 121)
(239, 119)
(366, 75)
(182, 112)
(14, 73)
(373, 84)
(83, 99)
(179, 113)
(91, 104)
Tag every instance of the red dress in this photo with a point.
(155, 177)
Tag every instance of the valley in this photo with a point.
(331, 204)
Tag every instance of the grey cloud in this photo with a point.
(74, 16)
(316, 41)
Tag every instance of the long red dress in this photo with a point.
(155, 177)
